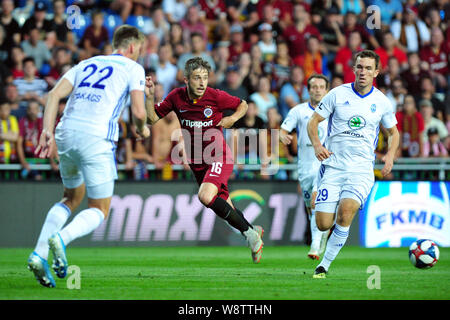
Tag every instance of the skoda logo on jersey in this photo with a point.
(373, 107)
(207, 112)
(356, 122)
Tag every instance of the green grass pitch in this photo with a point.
(227, 273)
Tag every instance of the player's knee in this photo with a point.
(323, 222)
(205, 197)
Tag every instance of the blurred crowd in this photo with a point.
(261, 51)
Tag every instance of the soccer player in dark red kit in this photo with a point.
(199, 109)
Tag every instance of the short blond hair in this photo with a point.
(126, 34)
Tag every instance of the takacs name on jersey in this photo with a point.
(196, 124)
(88, 96)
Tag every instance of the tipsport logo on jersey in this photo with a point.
(398, 213)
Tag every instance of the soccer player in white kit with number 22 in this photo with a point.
(85, 137)
(354, 112)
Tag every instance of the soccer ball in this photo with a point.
(423, 253)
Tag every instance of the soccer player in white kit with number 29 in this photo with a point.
(85, 137)
(354, 112)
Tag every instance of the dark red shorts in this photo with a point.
(216, 173)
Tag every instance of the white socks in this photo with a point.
(55, 220)
(316, 234)
(334, 245)
(84, 223)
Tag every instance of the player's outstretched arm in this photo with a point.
(393, 143)
(313, 132)
(45, 146)
(139, 113)
(241, 110)
(150, 102)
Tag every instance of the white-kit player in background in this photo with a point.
(354, 112)
(308, 165)
(85, 138)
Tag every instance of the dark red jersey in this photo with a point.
(204, 141)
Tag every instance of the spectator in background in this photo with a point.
(436, 55)
(250, 70)
(61, 57)
(31, 87)
(282, 10)
(221, 55)
(158, 25)
(247, 136)
(267, 43)
(238, 45)
(320, 8)
(239, 10)
(9, 134)
(166, 72)
(213, 10)
(428, 91)
(17, 57)
(390, 10)
(426, 109)
(433, 146)
(30, 128)
(94, 37)
(123, 7)
(396, 94)
(11, 26)
(176, 41)
(149, 58)
(193, 23)
(344, 57)
(433, 19)
(388, 49)
(410, 126)
(280, 68)
(296, 34)
(175, 10)
(368, 41)
(64, 37)
(411, 32)
(263, 98)
(313, 61)
(336, 82)
(13, 99)
(198, 48)
(414, 72)
(37, 21)
(392, 72)
(332, 36)
(232, 84)
(36, 48)
(293, 92)
(269, 16)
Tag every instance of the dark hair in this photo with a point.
(318, 76)
(196, 34)
(28, 59)
(194, 64)
(368, 54)
(126, 34)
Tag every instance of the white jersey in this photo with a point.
(101, 86)
(353, 125)
(298, 118)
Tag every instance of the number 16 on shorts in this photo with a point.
(216, 168)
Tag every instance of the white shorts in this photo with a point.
(84, 158)
(336, 184)
(307, 184)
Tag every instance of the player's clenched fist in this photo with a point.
(149, 86)
(322, 153)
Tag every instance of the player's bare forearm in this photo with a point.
(313, 133)
(285, 137)
(152, 117)
(393, 141)
(241, 110)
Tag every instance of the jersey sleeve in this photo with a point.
(164, 107)
(71, 74)
(226, 101)
(137, 81)
(388, 119)
(326, 106)
(291, 120)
